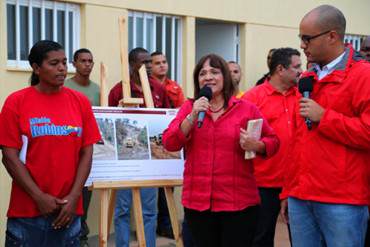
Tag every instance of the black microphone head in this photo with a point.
(305, 84)
(206, 92)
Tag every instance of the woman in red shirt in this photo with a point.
(220, 194)
(55, 128)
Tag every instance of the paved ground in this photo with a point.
(281, 239)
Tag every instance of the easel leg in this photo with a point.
(136, 200)
(173, 216)
(103, 228)
(112, 204)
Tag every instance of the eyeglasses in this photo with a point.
(307, 38)
(365, 49)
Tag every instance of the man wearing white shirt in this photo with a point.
(327, 69)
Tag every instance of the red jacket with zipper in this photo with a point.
(331, 162)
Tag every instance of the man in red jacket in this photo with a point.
(276, 98)
(327, 181)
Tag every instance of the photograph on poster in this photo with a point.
(132, 139)
(105, 149)
(157, 150)
(131, 146)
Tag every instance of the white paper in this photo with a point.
(254, 128)
(23, 152)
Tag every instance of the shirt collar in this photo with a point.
(330, 66)
(271, 90)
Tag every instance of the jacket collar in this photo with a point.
(340, 69)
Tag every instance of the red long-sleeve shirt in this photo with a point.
(216, 175)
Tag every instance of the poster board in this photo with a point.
(131, 146)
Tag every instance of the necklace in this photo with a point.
(215, 111)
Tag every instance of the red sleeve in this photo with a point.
(173, 138)
(268, 135)
(353, 131)
(115, 95)
(90, 131)
(10, 131)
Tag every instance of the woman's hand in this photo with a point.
(248, 143)
(67, 212)
(201, 104)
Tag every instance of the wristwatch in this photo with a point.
(189, 117)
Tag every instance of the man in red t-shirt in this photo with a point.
(137, 57)
(276, 98)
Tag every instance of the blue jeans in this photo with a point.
(122, 216)
(315, 224)
(38, 232)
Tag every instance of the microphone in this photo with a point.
(206, 92)
(305, 86)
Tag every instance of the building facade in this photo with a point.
(239, 30)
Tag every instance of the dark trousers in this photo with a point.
(222, 229)
(268, 214)
(367, 240)
(187, 238)
(86, 198)
(163, 219)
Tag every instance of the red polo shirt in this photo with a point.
(160, 98)
(278, 109)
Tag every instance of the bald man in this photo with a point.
(236, 75)
(365, 48)
(326, 183)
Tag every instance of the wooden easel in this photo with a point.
(108, 188)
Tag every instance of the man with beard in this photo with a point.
(276, 99)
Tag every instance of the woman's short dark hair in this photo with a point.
(218, 62)
(38, 53)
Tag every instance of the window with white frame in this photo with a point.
(355, 40)
(156, 32)
(29, 21)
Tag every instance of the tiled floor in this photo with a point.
(281, 239)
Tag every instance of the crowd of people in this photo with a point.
(311, 168)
